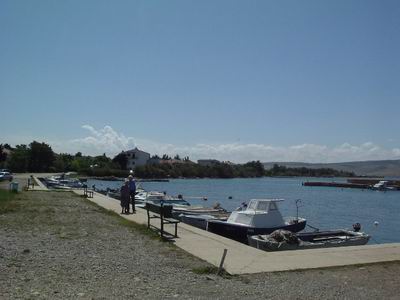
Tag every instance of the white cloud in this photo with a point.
(107, 140)
(396, 152)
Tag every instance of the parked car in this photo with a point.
(5, 170)
(6, 176)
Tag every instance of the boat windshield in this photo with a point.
(273, 206)
(262, 205)
(252, 205)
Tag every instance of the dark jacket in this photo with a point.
(125, 195)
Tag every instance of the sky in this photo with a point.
(312, 81)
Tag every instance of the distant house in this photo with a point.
(136, 158)
(154, 161)
(208, 162)
(7, 151)
(172, 161)
(227, 162)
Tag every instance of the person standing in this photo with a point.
(132, 191)
(125, 197)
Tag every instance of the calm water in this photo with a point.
(323, 207)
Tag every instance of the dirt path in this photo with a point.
(58, 245)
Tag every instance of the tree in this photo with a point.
(3, 154)
(41, 157)
(177, 157)
(19, 159)
(121, 159)
(63, 162)
(78, 154)
(102, 160)
(165, 157)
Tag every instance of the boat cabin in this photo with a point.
(260, 213)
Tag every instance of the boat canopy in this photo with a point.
(259, 213)
(263, 204)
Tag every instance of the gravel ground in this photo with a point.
(58, 245)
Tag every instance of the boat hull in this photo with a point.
(327, 239)
(239, 232)
(199, 221)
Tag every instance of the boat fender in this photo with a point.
(357, 227)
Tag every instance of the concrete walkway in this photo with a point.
(242, 259)
(39, 186)
(22, 180)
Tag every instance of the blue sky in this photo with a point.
(313, 81)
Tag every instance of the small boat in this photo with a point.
(281, 240)
(261, 216)
(200, 221)
(116, 193)
(61, 182)
(200, 210)
(383, 185)
(157, 198)
(198, 216)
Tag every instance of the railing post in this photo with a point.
(162, 219)
(222, 262)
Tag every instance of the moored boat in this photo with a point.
(200, 221)
(157, 198)
(261, 216)
(198, 216)
(281, 240)
(62, 182)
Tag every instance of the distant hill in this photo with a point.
(388, 168)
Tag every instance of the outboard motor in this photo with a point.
(356, 227)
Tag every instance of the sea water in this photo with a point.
(323, 207)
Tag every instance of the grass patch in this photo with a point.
(211, 270)
(7, 203)
(207, 270)
(141, 228)
(6, 195)
(138, 227)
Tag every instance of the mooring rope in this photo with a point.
(315, 228)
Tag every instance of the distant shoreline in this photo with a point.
(113, 178)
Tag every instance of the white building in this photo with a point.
(136, 158)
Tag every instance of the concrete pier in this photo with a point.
(243, 259)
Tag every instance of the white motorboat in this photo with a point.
(261, 216)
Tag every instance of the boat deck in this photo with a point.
(243, 259)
